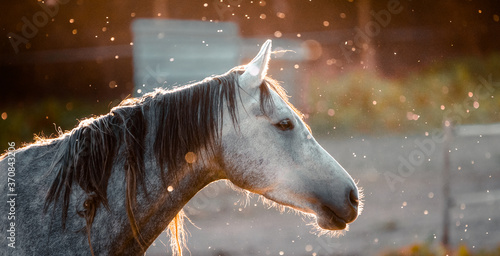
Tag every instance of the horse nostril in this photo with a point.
(353, 198)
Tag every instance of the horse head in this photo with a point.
(273, 153)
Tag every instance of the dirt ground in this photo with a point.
(402, 182)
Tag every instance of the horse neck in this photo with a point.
(163, 198)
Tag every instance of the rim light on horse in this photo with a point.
(116, 181)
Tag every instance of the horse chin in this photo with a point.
(328, 220)
(332, 223)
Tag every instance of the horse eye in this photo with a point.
(285, 125)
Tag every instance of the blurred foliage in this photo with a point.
(27, 120)
(467, 90)
(426, 249)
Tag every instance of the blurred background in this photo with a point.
(404, 94)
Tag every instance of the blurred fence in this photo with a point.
(450, 132)
(170, 53)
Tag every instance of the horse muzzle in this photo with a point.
(333, 212)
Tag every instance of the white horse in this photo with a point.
(111, 185)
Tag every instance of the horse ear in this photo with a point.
(256, 70)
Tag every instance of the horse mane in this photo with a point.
(182, 120)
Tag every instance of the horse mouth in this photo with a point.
(328, 219)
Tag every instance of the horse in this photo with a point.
(115, 182)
